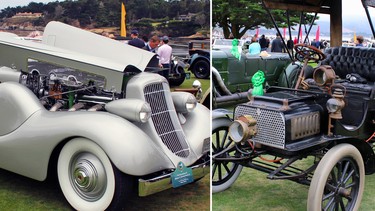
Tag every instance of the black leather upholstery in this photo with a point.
(345, 60)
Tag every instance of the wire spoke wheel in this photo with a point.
(338, 181)
(224, 173)
(342, 186)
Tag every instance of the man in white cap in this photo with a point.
(135, 40)
(165, 54)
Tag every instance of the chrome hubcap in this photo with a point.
(87, 176)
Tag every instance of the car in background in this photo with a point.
(236, 73)
(227, 44)
(222, 43)
(199, 60)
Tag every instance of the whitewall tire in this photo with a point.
(87, 177)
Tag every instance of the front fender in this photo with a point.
(197, 128)
(179, 63)
(128, 147)
(196, 57)
(221, 113)
(364, 148)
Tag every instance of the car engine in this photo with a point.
(67, 89)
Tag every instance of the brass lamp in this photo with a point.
(243, 128)
(334, 107)
(324, 75)
(336, 104)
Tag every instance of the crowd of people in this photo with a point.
(156, 45)
(257, 45)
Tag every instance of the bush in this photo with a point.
(176, 28)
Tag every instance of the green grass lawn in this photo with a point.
(188, 83)
(18, 193)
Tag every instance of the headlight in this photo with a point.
(175, 60)
(197, 84)
(324, 75)
(191, 103)
(333, 105)
(130, 109)
(236, 131)
(184, 102)
(243, 128)
(145, 113)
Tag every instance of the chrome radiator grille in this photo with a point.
(271, 125)
(165, 119)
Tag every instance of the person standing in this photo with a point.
(359, 41)
(145, 39)
(313, 43)
(318, 44)
(152, 44)
(277, 45)
(254, 47)
(136, 42)
(165, 54)
(263, 43)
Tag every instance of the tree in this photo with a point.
(238, 16)
(200, 19)
(59, 11)
(35, 7)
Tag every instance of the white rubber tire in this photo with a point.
(89, 149)
(322, 172)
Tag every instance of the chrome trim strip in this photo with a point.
(160, 183)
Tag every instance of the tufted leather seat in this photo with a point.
(345, 60)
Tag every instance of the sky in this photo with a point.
(352, 9)
(15, 3)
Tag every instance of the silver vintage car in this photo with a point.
(91, 110)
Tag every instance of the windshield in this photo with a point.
(223, 42)
(227, 42)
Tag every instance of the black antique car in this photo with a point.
(199, 60)
(326, 118)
